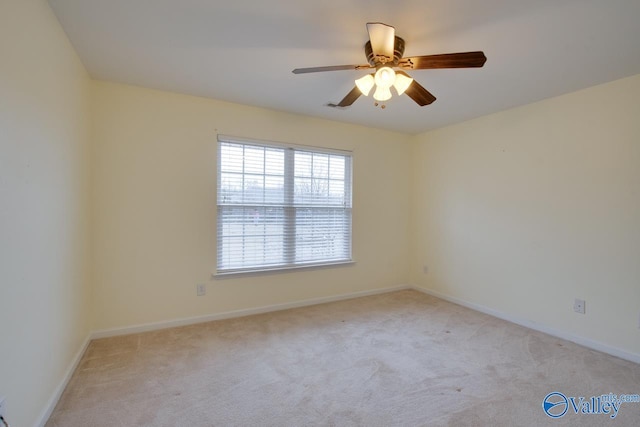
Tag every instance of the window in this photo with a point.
(281, 206)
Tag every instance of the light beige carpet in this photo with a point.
(397, 359)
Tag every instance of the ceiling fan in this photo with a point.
(384, 52)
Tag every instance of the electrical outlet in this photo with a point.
(579, 306)
(425, 269)
(201, 289)
(2, 406)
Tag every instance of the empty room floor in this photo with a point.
(396, 359)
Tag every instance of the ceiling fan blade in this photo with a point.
(349, 99)
(419, 94)
(382, 38)
(445, 60)
(330, 68)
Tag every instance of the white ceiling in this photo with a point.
(244, 50)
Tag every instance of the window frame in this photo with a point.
(289, 207)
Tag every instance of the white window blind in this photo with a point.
(281, 206)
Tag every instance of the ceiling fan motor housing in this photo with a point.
(375, 61)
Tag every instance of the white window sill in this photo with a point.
(279, 270)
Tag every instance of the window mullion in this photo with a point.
(347, 182)
(348, 199)
(289, 210)
(263, 209)
(244, 186)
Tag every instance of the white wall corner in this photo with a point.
(57, 393)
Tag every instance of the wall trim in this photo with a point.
(57, 393)
(145, 327)
(585, 342)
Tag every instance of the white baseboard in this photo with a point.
(55, 397)
(585, 342)
(104, 333)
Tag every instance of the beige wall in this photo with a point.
(524, 210)
(154, 205)
(44, 135)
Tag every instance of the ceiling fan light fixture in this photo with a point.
(382, 37)
(382, 94)
(402, 83)
(385, 77)
(365, 84)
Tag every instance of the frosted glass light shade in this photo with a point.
(402, 83)
(385, 76)
(365, 84)
(382, 38)
(382, 93)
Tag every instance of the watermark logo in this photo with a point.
(556, 404)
